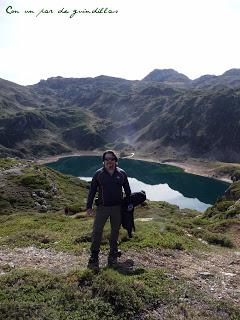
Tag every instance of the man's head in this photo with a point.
(109, 159)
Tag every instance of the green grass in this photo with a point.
(34, 181)
(5, 205)
(29, 294)
(156, 234)
(57, 231)
(45, 231)
(169, 229)
(8, 163)
(82, 294)
(16, 196)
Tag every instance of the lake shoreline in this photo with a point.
(198, 167)
(194, 166)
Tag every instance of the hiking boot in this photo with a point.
(119, 253)
(112, 262)
(93, 263)
(112, 258)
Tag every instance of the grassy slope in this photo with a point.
(81, 294)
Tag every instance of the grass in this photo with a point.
(156, 234)
(82, 294)
(8, 163)
(228, 169)
(16, 196)
(29, 294)
(228, 206)
(33, 181)
(56, 231)
(64, 233)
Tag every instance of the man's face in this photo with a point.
(109, 161)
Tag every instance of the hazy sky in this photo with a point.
(194, 37)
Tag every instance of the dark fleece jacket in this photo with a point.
(109, 187)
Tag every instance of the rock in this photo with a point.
(42, 201)
(54, 190)
(37, 205)
(144, 219)
(203, 241)
(189, 235)
(41, 193)
(228, 274)
(206, 275)
(43, 208)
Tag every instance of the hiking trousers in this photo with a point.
(102, 214)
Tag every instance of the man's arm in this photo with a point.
(92, 192)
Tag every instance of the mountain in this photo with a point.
(232, 73)
(165, 113)
(169, 76)
(230, 79)
(14, 98)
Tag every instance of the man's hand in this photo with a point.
(130, 207)
(90, 212)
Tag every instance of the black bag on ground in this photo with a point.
(135, 199)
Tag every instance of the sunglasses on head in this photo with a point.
(110, 159)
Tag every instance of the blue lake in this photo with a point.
(160, 182)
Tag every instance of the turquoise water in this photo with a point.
(161, 182)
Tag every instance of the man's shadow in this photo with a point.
(127, 268)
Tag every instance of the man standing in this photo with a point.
(108, 182)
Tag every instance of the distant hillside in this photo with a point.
(26, 186)
(227, 206)
(166, 114)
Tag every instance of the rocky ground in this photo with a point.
(217, 274)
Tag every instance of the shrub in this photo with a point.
(34, 181)
(75, 208)
(224, 205)
(218, 239)
(4, 205)
(81, 294)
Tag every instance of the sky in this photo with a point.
(194, 37)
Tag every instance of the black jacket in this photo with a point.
(135, 199)
(109, 187)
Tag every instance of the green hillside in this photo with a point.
(174, 267)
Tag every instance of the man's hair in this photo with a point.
(109, 151)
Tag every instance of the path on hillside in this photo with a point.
(214, 273)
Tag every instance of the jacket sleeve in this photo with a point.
(126, 186)
(92, 192)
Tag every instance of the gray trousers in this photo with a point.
(102, 214)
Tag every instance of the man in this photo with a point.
(108, 182)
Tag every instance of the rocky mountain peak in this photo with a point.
(168, 75)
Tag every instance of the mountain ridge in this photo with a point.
(172, 116)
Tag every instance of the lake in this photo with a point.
(161, 182)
